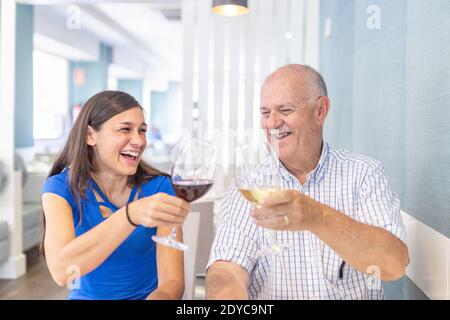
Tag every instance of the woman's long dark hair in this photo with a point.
(79, 156)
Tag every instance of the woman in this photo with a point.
(102, 204)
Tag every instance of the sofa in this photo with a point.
(32, 209)
(4, 242)
(4, 233)
(31, 214)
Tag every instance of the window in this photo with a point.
(50, 95)
(112, 83)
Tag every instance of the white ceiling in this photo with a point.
(149, 28)
(140, 26)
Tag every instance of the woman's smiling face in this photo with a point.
(120, 142)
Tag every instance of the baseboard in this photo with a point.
(429, 253)
(14, 267)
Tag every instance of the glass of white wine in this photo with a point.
(256, 174)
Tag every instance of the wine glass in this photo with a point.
(192, 177)
(256, 176)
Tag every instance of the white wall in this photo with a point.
(10, 195)
(226, 59)
(53, 36)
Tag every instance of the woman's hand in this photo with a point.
(159, 210)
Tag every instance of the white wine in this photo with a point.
(256, 195)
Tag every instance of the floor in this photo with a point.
(37, 283)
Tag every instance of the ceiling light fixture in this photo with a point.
(230, 8)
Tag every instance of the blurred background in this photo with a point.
(385, 62)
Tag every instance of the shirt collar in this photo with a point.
(317, 174)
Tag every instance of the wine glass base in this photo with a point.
(170, 242)
(273, 249)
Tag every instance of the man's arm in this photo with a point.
(362, 246)
(226, 281)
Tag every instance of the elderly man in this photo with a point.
(335, 210)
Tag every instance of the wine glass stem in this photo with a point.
(173, 234)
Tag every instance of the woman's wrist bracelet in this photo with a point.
(128, 217)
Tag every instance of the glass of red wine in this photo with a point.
(192, 177)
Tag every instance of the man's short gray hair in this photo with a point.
(316, 78)
(313, 77)
(319, 81)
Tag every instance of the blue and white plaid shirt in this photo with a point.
(310, 269)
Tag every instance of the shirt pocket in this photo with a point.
(342, 281)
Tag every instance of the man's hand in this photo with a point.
(362, 246)
(288, 210)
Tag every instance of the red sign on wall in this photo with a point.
(79, 77)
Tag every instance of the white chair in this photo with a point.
(190, 233)
(198, 235)
(206, 235)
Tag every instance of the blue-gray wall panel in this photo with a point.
(132, 87)
(23, 117)
(337, 69)
(400, 101)
(379, 92)
(96, 77)
(403, 289)
(428, 113)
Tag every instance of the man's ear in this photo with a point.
(90, 136)
(322, 109)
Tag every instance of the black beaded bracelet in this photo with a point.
(128, 217)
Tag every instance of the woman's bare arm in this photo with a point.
(66, 253)
(170, 270)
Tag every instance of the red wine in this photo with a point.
(191, 190)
